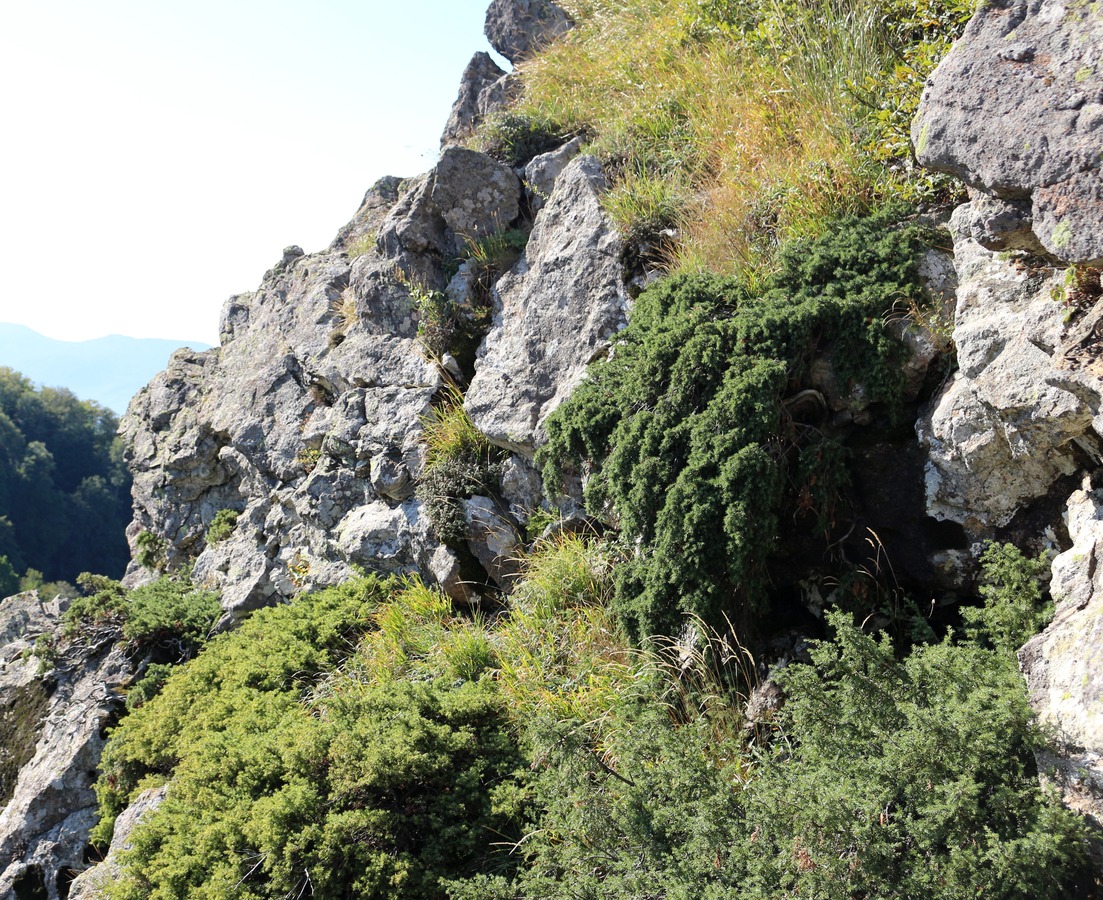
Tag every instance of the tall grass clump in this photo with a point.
(767, 118)
(460, 462)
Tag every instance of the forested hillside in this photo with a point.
(64, 490)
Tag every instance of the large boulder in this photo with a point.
(466, 197)
(1022, 411)
(1016, 111)
(518, 28)
(554, 313)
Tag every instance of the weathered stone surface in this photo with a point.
(307, 420)
(44, 826)
(1063, 670)
(475, 99)
(467, 196)
(542, 171)
(555, 312)
(1016, 110)
(517, 28)
(1016, 415)
(493, 539)
(92, 882)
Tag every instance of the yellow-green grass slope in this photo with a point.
(734, 125)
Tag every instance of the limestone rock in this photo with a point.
(92, 882)
(467, 196)
(1016, 110)
(493, 539)
(1063, 671)
(1017, 416)
(477, 98)
(555, 312)
(49, 802)
(307, 420)
(517, 28)
(542, 171)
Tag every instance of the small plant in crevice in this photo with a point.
(363, 244)
(514, 137)
(490, 256)
(222, 526)
(151, 551)
(308, 458)
(1014, 607)
(460, 462)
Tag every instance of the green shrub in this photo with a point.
(886, 777)
(148, 686)
(260, 670)
(910, 778)
(372, 790)
(514, 137)
(169, 618)
(1014, 608)
(460, 463)
(222, 526)
(685, 428)
(150, 552)
(104, 604)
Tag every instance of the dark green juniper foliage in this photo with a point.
(167, 619)
(888, 777)
(685, 426)
(365, 791)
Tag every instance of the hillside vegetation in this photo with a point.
(735, 125)
(64, 490)
(614, 726)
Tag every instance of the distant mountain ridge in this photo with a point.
(109, 370)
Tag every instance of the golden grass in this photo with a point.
(752, 134)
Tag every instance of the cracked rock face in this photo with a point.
(1023, 409)
(1016, 111)
(1065, 678)
(555, 312)
(306, 421)
(518, 28)
(50, 805)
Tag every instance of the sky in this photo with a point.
(159, 155)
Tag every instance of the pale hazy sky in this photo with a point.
(157, 156)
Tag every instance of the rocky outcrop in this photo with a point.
(555, 312)
(90, 883)
(1022, 411)
(1016, 111)
(307, 419)
(1017, 426)
(1064, 673)
(518, 28)
(53, 722)
(484, 90)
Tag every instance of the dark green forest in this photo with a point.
(64, 490)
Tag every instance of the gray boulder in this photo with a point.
(92, 883)
(1016, 111)
(1018, 414)
(541, 173)
(518, 28)
(555, 312)
(480, 94)
(1064, 674)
